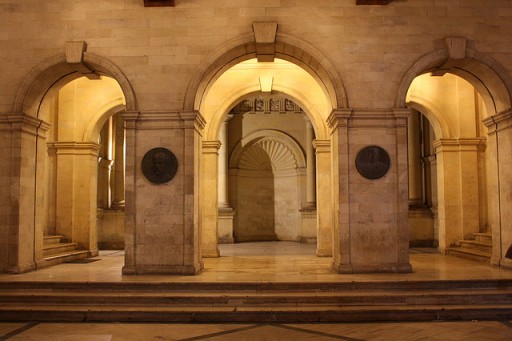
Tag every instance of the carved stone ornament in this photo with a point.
(372, 162)
(159, 165)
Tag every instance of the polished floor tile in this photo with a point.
(270, 262)
(421, 331)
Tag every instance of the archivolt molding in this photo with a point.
(490, 79)
(55, 70)
(267, 150)
(286, 47)
(434, 116)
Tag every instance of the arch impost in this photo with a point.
(500, 121)
(459, 144)
(75, 148)
(195, 117)
(322, 146)
(339, 118)
(211, 147)
(24, 122)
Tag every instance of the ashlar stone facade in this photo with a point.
(88, 88)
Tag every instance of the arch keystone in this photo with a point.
(265, 36)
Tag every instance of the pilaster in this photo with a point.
(458, 189)
(209, 198)
(499, 163)
(22, 158)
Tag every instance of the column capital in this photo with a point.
(211, 147)
(75, 148)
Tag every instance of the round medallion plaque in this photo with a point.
(372, 162)
(159, 165)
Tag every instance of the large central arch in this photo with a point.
(302, 73)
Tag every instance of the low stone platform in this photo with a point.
(260, 282)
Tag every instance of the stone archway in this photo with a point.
(494, 85)
(30, 129)
(321, 75)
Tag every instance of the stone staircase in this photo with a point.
(56, 250)
(256, 301)
(479, 249)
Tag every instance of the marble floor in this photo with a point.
(259, 262)
(267, 262)
(423, 331)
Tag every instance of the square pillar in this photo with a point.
(22, 171)
(324, 212)
(162, 234)
(458, 189)
(371, 232)
(76, 193)
(209, 199)
(499, 189)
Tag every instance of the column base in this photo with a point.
(380, 268)
(226, 240)
(22, 268)
(324, 253)
(210, 253)
(163, 269)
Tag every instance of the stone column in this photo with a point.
(310, 167)
(22, 191)
(76, 192)
(432, 161)
(226, 213)
(458, 189)
(209, 199)
(415, 167)
(119, 167)
(223, 165)
(371, 225)
(104, 172)
(324, 198)
(499, 163)
(162, 221)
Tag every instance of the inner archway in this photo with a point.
(267, 88)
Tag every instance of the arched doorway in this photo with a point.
(65, 101)
(462, 93)
(231, 83)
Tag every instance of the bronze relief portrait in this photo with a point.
(159, 165)
(373, 162)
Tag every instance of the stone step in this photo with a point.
(60, 248)
(483, 237)
(63, 257)
(261, 287)
(257, 299)
(54, 239)
(472, 254)
(254, 314)
(483, 246)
